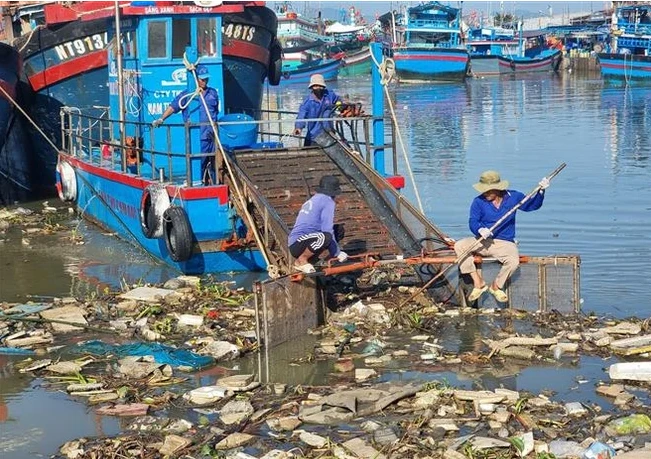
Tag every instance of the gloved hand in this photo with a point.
(485, 233)
(544, 183)
(342, 256)
(157, 122)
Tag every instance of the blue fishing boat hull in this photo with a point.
(623, 68)
(444, 64)
(548, 61)
(302, 73)
(9, 76)
(483, 64)
(112, 200)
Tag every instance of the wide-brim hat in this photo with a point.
(490, 180)
(329, 185)
(316, 80)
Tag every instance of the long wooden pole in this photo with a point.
(440, 274)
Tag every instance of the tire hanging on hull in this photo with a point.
(153, 204)
(177, 234)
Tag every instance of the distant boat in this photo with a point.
(426, 43)
(496, 50)
(355, 64)
(629, 60)
(301, 73)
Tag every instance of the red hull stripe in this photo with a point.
(246, 50)
(97, 59)
(65, 70)
(524, 66)
(11, 90)
(626, 66)
(429, 57)
(187, 194)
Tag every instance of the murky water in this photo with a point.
(599, 207)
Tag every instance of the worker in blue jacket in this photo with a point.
(184, 103)
(319, 104)
(495, 201)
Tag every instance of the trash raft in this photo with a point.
(144, 355)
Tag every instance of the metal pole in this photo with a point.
(378, 111)
(118, 40)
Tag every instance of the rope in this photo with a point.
(387, 70)
(11, 99)
(250, 222)
(29, 38)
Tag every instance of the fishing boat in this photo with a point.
(9, 77)
(426, 43)
(152, 187)
(66, 64)
(485, 44)
(301, 73)
(629, 57)
(533, 56)
(355, 64)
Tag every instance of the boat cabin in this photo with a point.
(433, 25)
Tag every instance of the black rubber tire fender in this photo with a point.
(151, 219)
(177, 233)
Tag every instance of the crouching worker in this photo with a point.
(495, 201)
(314, 230)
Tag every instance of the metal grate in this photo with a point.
(541, 284)
(285, 310)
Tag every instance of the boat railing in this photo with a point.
(92, 138)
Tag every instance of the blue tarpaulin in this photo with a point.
(162, 354)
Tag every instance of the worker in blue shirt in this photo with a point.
(314, 230)
(319, 104)
(495, 201)
(183, 103)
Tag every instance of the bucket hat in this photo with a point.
(316, 80)
(490, 180)
(329, 185)
(203, 72)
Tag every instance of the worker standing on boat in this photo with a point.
(314, 230)
(319, 104)
(495, 201)
(183, 103)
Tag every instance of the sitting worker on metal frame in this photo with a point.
(314, 230)
(495, 201)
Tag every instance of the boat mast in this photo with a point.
(118, 39)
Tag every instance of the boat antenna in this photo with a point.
(118, 40)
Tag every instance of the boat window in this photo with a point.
(157, 39)
(207, 37)
(129, 44)
(180, 37)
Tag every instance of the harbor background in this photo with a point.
(598, 207)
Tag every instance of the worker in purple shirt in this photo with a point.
(495, 201)
(321, 103)
(314, 230)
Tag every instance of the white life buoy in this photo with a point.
(66, 183)
(153, 204)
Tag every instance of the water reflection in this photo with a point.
(434, 127)
(628, 115)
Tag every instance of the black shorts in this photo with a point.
(316, 242)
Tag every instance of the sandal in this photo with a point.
(307, 268)
(477, 293)
(500, 295)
